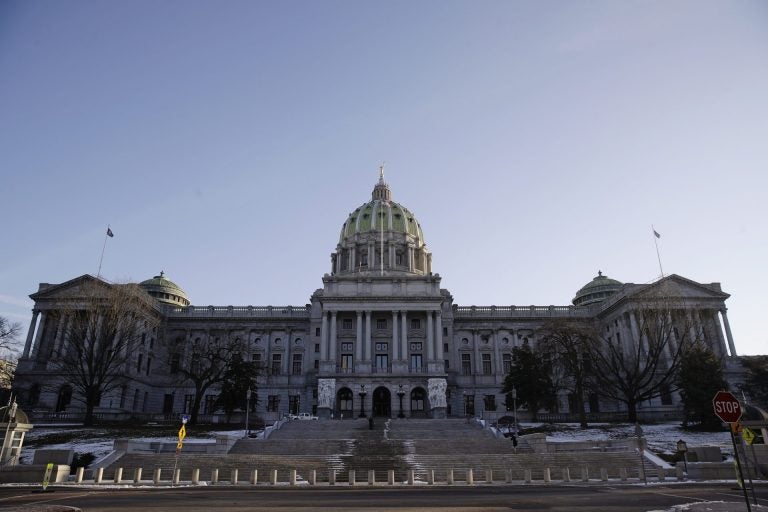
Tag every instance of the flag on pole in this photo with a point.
(654, 232)
(111, 234)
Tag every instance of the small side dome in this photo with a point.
(165, 290)
(597, 290)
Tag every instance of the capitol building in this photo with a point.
(381, 337)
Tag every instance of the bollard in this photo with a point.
(233, 476)
(679, 472)
(313, 477)
(371, 477)
(176, 476)
(195, 476)
(527, 476)
(156, 476)
(254, 477)
(79, 475)
(292, 477)
(411, 477)
(547, 475)
(584, 473)
(604, 474)
(470, 477)
(566, 474)
(391, 477)
(662, 474)
(118, 475)
(99, 476)
(449, 477)
(489, 476)
(214, 476)
(623, 474)
(508, 476)
(332, 477)
(273, 477)
(431, 476)
(137, 476)
(351, 477)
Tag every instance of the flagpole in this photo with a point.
(98, 273)
(656, 237)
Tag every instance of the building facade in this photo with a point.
(379, 338)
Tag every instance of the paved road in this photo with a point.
(553, 498)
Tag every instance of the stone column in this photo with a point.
(430, 338)
(371, 256)
(404, 336)
(635, 330)
(723, 312)
(395, 343)
(324, 338)
(59, 334)
(358, 363)
(478, 361)
(497, 364)
(287, 359)
(439, 337)
(721, 345)
(30, 333)
(368, 347)
(39, 334)
(332, 355)
(353, 258)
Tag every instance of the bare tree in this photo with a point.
(9, 333)
(569, 343)
(101, 328)
(203, 363)
(646, 367)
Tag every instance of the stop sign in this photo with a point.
(727, 407)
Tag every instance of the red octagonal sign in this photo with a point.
(727, 407)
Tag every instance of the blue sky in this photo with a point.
(536, 142)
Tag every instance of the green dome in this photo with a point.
(381, 213)
(597, 290)
(165, 290)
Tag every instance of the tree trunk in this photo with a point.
(195, 408)
(632, 412)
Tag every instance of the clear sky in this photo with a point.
(536, 142)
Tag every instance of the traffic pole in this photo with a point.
(738, 465)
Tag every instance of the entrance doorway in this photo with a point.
(382, 402)
(344, 401)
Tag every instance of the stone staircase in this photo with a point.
(401, 445)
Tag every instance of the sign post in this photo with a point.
(728, 409)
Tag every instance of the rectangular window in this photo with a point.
(447, 364)
(257, 359)
(149, 365)
(277, 362)
(346, 346)
(416, 363)
(490, 402)
(317, 348)
(138, 363)
(382, 362)
(346, 362)
(506, 360)
(445, 331)
(209, 406)
(416, 347)
(297, 366)
(273, 403)
(466, 364)
(346, 323)
(317, 364)
(381, 323)
(445, 348)
(317, 331)
(618, 338)
(189, 401)
(293, 404)
(415, 323)
(382, 347)
(487, 370)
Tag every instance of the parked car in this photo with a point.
(305, 416)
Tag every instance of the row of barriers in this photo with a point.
(451, 477)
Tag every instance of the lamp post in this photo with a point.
(247, 410)
(682, 447)
(362, 400)
(514, 406)
(400, 395)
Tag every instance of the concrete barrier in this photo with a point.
(273, 477)
(449, 477)
(391, 477)
(195, 476)
(118, 475)
(470, 477)
(312, 477)
(233, 476)
(527, 476)
(156, 476)
(99, 476)
(254, 476)
(137, 476)
(566, 474)
(352, 477)
(371, 477)
(214, 476)
(292, 477)
(489, 476)
(604, 474)
(411, 477)
(547, 475)
(332, 477)
(584, 474)
(431, 477)
(176, 476)
(79, 475)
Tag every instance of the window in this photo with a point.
(416, 347)
(346, 346)
(416, 363)
(346, 323)
(273, 403)
(417, 399)
(445, 347)
(168, 403)
(317, 364)
(257, 359)
(489, 401)
(317, 348)
(466, 364)
(209, 406)
(136, 400)
(149, 365)
(189, 400)
(138, 363)
(293, 404)
(345, 400)
(506, 360)
(382, 347)
(346, 362)
(382, 362)
(381, 323)
(297, 364)
(445, 331)
(415, 323)
(447, 364)
(277, 360)
(398, 259)
(487, 370)
(317, 331)
(618, 338)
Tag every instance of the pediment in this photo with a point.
(71, 289)
(678, 287)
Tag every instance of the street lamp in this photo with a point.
(514, 406)
(400, 395)
(247, 409)
(682, 447)
(362, 400)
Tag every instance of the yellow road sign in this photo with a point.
(748, 435)
(182, 433)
